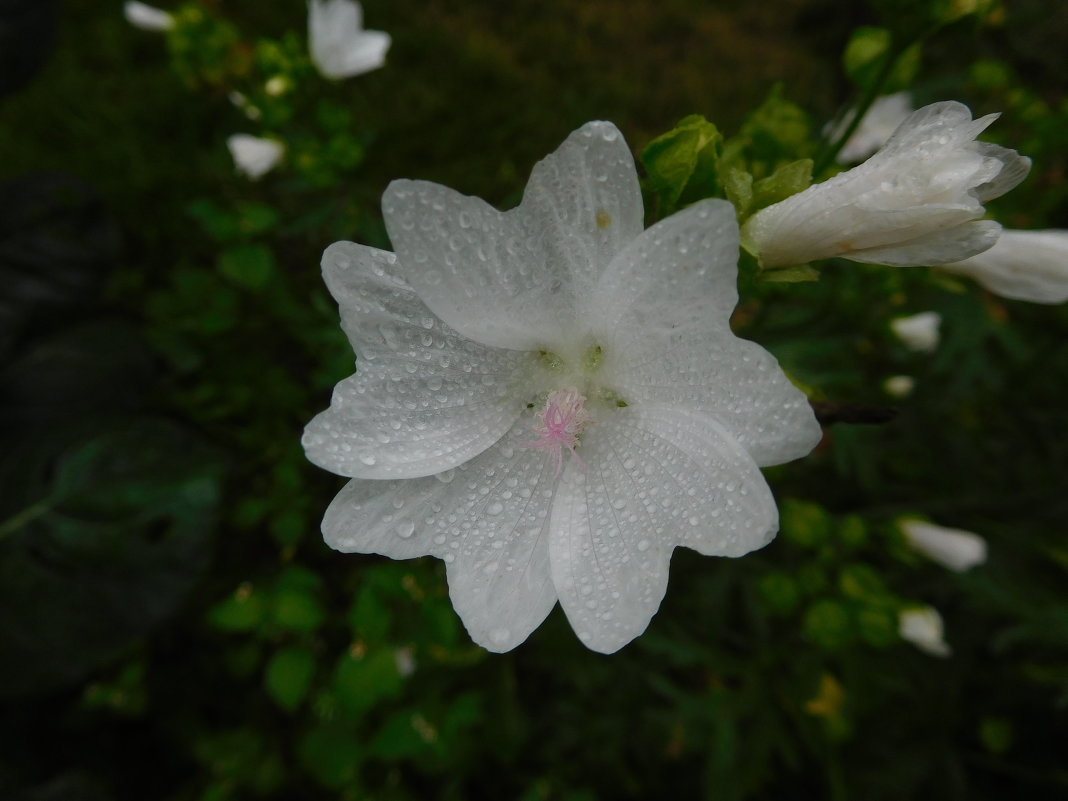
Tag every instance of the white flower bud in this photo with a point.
(922, 626)
(253, 155)
(919, 332)
(955, 549)
(882, 119)
(1022, 265)
(147, 17)
(918, 201)
(899, 386)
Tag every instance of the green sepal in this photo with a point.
(794, 274)
(788, 179)
(683, 160)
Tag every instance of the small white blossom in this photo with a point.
(880, 122)
(919, 332)
(899, 386)
(551, 399)
(340, 47)
(253, 155)
(147, 17)
(1022, 265)
(405, 661)
(922, 626)
(917, 201)
(952, 548)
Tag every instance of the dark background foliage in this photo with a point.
(171, 624)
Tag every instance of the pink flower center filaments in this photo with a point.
(560, 423)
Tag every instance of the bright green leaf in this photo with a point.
(684, 156)
(787, 180)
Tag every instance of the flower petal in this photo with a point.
(583, 204)
(525, 270)
(488, 520)
(364, 53)
(951, 547)
(735, 382)
(424, 399)
(677, 278)
(1022, 265)
(938, 247)
(653, 479)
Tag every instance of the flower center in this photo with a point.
(561, 423)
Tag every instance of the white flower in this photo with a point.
(877, 125)
(918, 331)
(340, 47)
(550, 399)
(899, 386)
(950, 547)
(916, 201)
(253, 155)
(147, 17)
(922, 626)
(1022, 265)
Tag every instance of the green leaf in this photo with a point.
(779, 592)
(297, 610)
(248, 266)
(777, 130)
(852, 532)
(861, 582)
(257, 218)
(738, 186)
(787, 180)
(864, 55)
(405, 735)
(804, 523)
(370, 617)
(364, 679)
(120, 533)
(288, 677)
(332, 755)
(221, 224)
(683, 158)
(878, 626)
(828, 624)
(241, 611)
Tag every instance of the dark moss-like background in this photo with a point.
(171, 624)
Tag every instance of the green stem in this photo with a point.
(874, 89)
(27, 515)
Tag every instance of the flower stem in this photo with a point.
(27, 515)
(873, 90)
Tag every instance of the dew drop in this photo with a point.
(405, 529)
(368, 459)
(643, 545)
(494, 509)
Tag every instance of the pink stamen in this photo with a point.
(560, 423)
